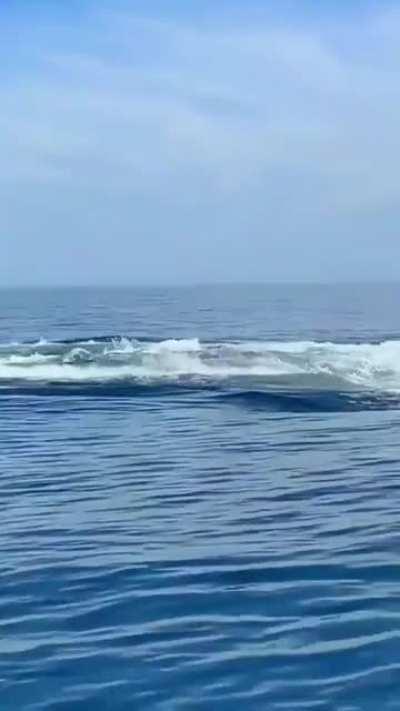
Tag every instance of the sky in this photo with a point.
(185, 142)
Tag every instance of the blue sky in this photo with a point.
(180, 142)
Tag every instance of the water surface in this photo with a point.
(200, 499)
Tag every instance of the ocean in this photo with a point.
(200, 498)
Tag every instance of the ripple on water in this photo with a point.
(197, 557)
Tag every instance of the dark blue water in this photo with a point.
(200, 499)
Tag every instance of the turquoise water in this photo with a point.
(200, 499)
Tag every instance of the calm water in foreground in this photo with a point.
(200, 499)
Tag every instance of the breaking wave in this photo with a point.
(294, 365)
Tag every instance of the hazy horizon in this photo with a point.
(198, 285)
(200, 144)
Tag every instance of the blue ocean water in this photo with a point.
(200, 499)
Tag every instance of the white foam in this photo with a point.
(372, 366)
(40, 342)
(191, 345)
(27, 360)
(119, 346)
(78, 355)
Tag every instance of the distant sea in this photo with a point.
(200, 499)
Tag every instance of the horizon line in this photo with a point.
(200, 284)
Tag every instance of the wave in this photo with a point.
(297, 365)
